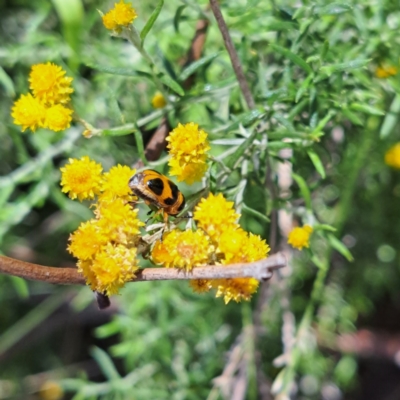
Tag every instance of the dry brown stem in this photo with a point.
(237, 66)
(261, 270)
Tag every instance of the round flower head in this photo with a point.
(158, 100)
(188, 147)
(200, 285)
(118, 221)
(184, 250)
(49, 84)
(215, 215)
(237, 289)
(28, 112)
(392, 156)
(123, 14)
(237, 246)
(300, 237)
(113, 267)
(115, 183)
(81, 178)
(387, 71)
(87, 240)
(51, 390)
(58, 118)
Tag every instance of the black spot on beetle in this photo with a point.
(169, 202)
(156, 185)
(182, 206)
(174, 191)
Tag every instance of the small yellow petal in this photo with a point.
(158, 100)
(299, 237)
(58, 118)
(188, 147)
(215, 215)
(49, 84)
(123, 14)
(28, 112)
(81, 178)
(392, 156)
(182, 249)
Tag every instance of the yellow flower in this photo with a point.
(121, 15)
(115, 183)
(392, 156)
(215, 215)
(58, 118)
(118, 221)
(85, 268)
(238, 246)
(51, 390)
(81, 178)
(113, 267)
(28, 112)
(158, 100)
(49, 84)
(300, 237)
(188, 147)
(200, 285)
(387, 71)
(87, 240)
(237, 289)
(184, 250)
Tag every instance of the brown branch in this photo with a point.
(261, 270)
(237, 67)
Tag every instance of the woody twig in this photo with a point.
(261, 270)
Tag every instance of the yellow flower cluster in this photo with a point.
(392, 156)
(387, 71)
(218, 240)
(158, 100)
(105, 245)
(121, 15)
(188, 147)
(47, 107)
(300, 237)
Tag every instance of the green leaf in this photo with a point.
(365, 108)
(7, 83)
(193, 67)
(20, 286)
(177, 17)
(333, 9)
(321, 124)
(105, 363)
(284, 121)
(324, 227)
(255, 213)
(233, 158)
(118, 71)
(140, 146)
(347, 66)
(352, 117)
(150, 22)
(72, 17)
(303, 88)
(317, 163)
(292, 57)
(168, 81)
(391, 118)
(340, 247)
(305, 191)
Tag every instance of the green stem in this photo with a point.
(352, 168)
(30, 321)
(133, 36)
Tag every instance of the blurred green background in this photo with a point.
(312, 71)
